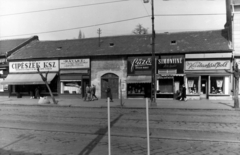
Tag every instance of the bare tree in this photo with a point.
(236, 75)
(81, 35)
(140, 30)
(44, 78)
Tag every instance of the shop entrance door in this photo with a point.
(204, 86)
(110, 80)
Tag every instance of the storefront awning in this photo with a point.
(26, 79)
(168, 75)
(74, 71)
(138, 79)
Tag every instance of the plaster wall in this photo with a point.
(101, 66)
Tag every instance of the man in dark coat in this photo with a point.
(93, 92)
(183, 97)
(109, 93)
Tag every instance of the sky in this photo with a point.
(63, 19)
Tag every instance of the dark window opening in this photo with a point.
(173, 42)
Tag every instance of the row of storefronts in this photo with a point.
(204, 76)
(198, 60)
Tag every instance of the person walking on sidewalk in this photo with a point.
(93, 91)
(183, 96)
(109, 93)
(87, 93)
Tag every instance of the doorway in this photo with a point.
(204, 86)
(110, 80)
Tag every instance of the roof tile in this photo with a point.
(201, 41)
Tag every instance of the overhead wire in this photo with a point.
(75, 27)
(108, 23)
(97, 24)
(76, 6)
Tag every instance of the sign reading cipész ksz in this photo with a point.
(31, 66)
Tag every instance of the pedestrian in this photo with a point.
(178, 94)
(109, 93)
(32, 90)
(37, 94)
(93, 91)
(87, 93)
(183, 96)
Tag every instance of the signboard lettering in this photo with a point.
(171, 63)
(141, 65)
(207, 65)
(31, 66)
(74, 63)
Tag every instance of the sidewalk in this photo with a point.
(128, 103)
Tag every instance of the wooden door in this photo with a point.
(110, 80)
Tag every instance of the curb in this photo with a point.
(117, 106)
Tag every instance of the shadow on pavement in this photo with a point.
(225, 104)
(101, 133)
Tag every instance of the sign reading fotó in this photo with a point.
(139, 65)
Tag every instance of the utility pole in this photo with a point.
(153, 83)
(99, 33)
(153, 59)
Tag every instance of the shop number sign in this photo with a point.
(207, 65)
(74, 63)
(31, 66)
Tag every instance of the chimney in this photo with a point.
(228, 25)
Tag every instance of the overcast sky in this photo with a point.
(63, 19)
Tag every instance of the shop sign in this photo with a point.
(207, 65)
(31, 66)
(74, 63)
(175, 62)
(139, 65)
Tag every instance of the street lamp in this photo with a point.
(153, 84)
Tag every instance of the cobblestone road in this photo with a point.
(64, 130)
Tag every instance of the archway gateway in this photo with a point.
(110, 80)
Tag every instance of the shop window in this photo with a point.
(165, 86)
(192, 85)
(136, 89)
(71, 87)
(3, 87)
(219, 85)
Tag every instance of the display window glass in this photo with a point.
(71, 87)
(219, 85)
(165, 86)
(192, 85)
(136, 88)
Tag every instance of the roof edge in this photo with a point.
(8, 53)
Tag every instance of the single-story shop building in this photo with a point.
(196, 59)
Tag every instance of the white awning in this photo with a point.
(26, 79)
(208, 56)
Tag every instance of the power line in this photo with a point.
(75, 27)
(108, 23)
(61, 8)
